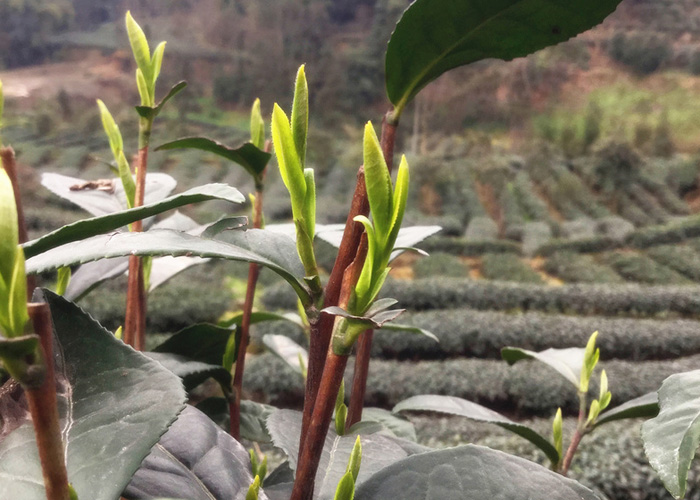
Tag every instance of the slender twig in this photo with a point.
(135, 320)
(44, 410)
(320, 329)
(333, 371)
(244, 334)
(364, 343)
(581, 431)
(9, 163)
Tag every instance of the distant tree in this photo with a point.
(26, 27)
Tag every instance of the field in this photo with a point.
(583, 217)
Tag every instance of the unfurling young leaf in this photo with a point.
(300, 114)
(346, 488)
(355, 459)
(590, 360)
(157, 62)
(116, 144)
(253, 490)
(62, 280)
(258, 468)
(139, 46)
(290, 166)
(557, 434)
(378, 181)
(257, 126)
(341, 415)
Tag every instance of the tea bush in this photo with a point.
(573, 267)
(508, 267)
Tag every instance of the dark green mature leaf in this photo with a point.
(398, 425)
(400, 327)
(458, 406)
(567, 362)
(89, 275)
(641, 407)
(672, 438)
(195, 460)
(109, 198)
(253, 417)
(151, 112)
(472, 472)
(100, 225)
(203, 342)
(247, 156)
(115, 403)
(434, 36)
(191, 372)
(273, 252)
(378, 451)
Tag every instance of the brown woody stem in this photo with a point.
(44, 410)
(321, 329)
(9, 163)
(578, 435)
(364, 343)
(333, 371)
(253, 273)
(135, 320)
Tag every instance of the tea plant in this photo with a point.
(118, 412)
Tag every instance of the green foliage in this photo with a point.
(508, 267)
(642, 269)
(605, 299)
(574, 267)
(482, 334)
(644, 53)
(439, 264)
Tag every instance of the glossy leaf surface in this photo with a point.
(378, 451)
(472, 472)
(105, 196)
(567, 362)
(252, 159)
(100, 225)
(175, 243)
(434, 36)
(642, 407)
(114, 403)
(195, 460)
(204, 343)
(672, 438)
(458, 406)
(289, 351)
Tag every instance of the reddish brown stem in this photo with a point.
(253, 273)
(320, 334)
(333, 371)
(135, 320)
(364, 343)
(359, 379)
(9, 163)
(578, 435)
(44, 410)
(310, 457)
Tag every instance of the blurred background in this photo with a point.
(566, 184)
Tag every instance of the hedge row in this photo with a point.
(508, 267)
(483, 334)
(674, 232)
(466, 247)
(683, 259)
(526, 388)
(611, 460)
(605, 299)
(648, 203)
(593, 244)
(573, 267)
(642, 269)
(440, 264)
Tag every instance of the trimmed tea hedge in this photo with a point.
(683, 259)
(508, 267)
(465, 247)
(642, 269)
(482, 334)
(440, 264)
(593, 244)
(527, 388)
(577, 268)
(674, 232)
(605, 300)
